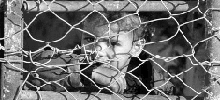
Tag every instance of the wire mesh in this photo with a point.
(177, 52)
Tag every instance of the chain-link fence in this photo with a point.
(156, 50)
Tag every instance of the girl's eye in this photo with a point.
(89, 39)
(115, 44)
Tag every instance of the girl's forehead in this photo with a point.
(109, 34)
(103, 30)
(107, 31)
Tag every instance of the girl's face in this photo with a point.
(112, 49)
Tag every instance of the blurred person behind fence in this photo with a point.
(108, 45)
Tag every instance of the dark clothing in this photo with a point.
(67, 76)
(58, 73)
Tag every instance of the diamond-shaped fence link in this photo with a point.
(153, 50)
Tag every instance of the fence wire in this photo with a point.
(174, 56)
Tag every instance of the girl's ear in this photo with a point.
(137, 48)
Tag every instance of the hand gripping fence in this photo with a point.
(182, 48)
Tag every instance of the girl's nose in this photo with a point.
(104, 50)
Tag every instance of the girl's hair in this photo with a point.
(118, 21)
